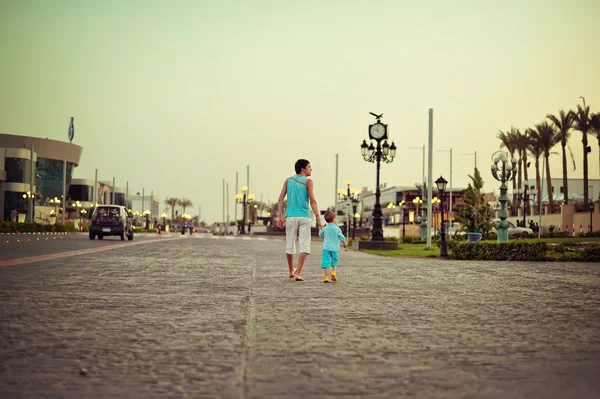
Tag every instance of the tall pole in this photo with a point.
(95, 196)
(127, 195)
(429, 179)
(449, 215)
(246, 205)
(237, 187)
(151, 203)
(377, 232)
(31, 186)
(223, 205)
(143, 197)
(337, 164)
(112, 195)
(227, 202)
(64, 203)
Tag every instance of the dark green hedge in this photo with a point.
(498, 251)
(13, 227)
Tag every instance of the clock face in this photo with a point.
(377, 131)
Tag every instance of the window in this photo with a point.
(17, 170)
(562, 190)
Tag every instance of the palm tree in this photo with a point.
(508, 141)
(595, 130)
(563, 123)
(535, 150)
(547, 139)
(581, 122)
(172, 202)
(184, 203)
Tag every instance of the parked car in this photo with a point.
(513, 230)
(111, 220)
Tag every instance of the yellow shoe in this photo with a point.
(333, 276)
(326, 279)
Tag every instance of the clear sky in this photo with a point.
(177, 96)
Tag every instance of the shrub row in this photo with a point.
(14, 227)
(498, 251)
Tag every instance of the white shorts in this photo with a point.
(301, 227)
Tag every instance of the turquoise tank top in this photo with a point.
(297, 195)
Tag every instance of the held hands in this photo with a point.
(280, 222)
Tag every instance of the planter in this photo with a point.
(21, 218)
(52, 219)
(474, 237)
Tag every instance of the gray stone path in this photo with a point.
(219, 318)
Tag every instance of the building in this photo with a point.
(391, 197)
(575, 189)
(34, 165)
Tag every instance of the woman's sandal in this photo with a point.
(299, 279)
(293, 273)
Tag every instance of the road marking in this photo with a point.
(40, 258)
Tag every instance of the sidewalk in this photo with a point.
(220, 318)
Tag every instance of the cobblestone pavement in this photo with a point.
(194, 318)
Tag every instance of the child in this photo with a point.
(331, 245)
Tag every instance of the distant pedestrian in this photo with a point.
(331, 246)
(191, 226)
(300, 195)
(13, 215)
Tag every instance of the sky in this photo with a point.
(176, 96)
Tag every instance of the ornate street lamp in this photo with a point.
(401, 204)
(503, 170)
(164, 218)
(382, 151)
(54, 201)
(352, 195)
(441, 186)
(524, 198)
(434, 201)
(244, 199)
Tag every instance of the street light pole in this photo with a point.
(503, 170)
(244, 199)
(375, 155)
(441, 185)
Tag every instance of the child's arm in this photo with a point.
(342, 239)
(322, 231)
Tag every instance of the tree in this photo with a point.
(475, 215)
(172, 202)
(547, 139)
(563, 124)
(184, 203)
(536, 152)
(581, 122)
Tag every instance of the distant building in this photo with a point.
(16, 171)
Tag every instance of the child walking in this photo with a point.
(331, 245)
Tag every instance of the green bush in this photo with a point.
(498, 251)
(390, 238)
(14, 227)
(591, 253)
(408, 239)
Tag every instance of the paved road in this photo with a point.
(201, 317)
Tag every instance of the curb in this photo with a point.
(37, 233)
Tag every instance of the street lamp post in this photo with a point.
(382, 151)
(524, 198)
(434, 201)
(55, 201)
(244, 199)
(164, 219)
(591, 209)
(401, 204)
(441, 186)
(353, 195)
(29, 196)
(503, 170)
